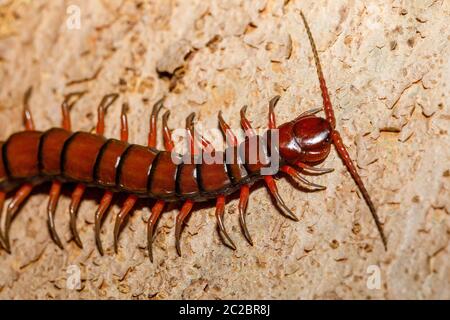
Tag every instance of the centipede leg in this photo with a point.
(156, 212)
(220, 210)
(271, 185)
(273, 102)
(129, 203)
(25, 190)
(245, 189)
(153, 118)
(105, 103)
(77, 195)
(313, 169)
(27, 118)
(184, 212)
(245, 123)
(55, 192)
(242, 207)
(188, 204)
(167, 133)
(299, 178)
(107, 197)
(227, 132)
(159, 205)
(20, 196)
(105, 202)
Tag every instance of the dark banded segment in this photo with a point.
(135, 168)
(162, 179)
(186, 181)
(235, 167)
(50, 149)
(79, 156)
(20, 155)
(212, 175)
(253, 152)
(108, 160)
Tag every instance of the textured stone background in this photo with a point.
(388, 71)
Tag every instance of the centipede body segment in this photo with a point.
(61, 155)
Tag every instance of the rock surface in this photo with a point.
(388, 70)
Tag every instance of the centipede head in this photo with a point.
(306, 139)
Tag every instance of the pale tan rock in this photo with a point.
(388, 72)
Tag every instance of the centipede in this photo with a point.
(61, 155)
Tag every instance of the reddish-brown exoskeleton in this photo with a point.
(60, 155)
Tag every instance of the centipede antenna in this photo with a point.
(220, 211)
(343, 153)
(105, 202)
(337, 140)
(55, 192)
(156, 212)
(13, 207)
(184, 212)
(323, 87)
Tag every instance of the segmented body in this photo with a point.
(93, 160)
(59, 155)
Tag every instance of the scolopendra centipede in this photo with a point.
(59, 155)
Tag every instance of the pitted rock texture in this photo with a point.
(388, 71)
